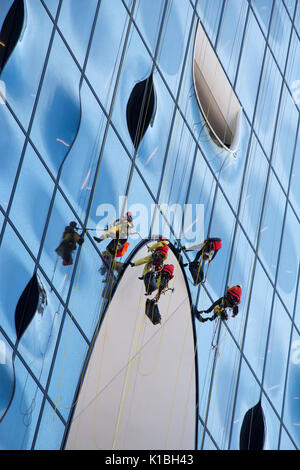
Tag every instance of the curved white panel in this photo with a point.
(139, 390)
(216, 98)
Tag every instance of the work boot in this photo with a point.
(98, 240)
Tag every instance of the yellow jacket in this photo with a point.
(158, 245)
(122, 230)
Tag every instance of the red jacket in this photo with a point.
(169, 268)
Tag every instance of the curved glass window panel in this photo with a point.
(201, 191)
(285, 138)
(240, 273)
(111, 180)
(52, 6)
(75, 24)
(290, 5)
(179, 164)
(272, 424)
(292, 72)
(58, 112)
(285, 441)
(252, 198)
(153, 11)
(277, 355)
(28, 57)
(222, 226)
(110, 29)
(271, 227)
(232, 167)
(209, 13)
(268, 102)
(292, 410)
(135, 72)
(289, 261)
(248, 394)
(16, 269)
(49, 420)
(18, 426)
(230, 36)
(90, 292)
(152, 152)
(295, 187)
(174, 41)
(35, 182)
(11, 143)
(263, 9)
(258, 320)
(297, 17)
(7, 377)
(250, 65)
(10, 29)
(223, 388)
(141, 204)
(280, 34)
(79, 169)
(68, 367)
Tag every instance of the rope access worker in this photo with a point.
(159, 254)
(68, 244)
(231, 300)
(208, 251)
(119, 232)
(164, 277)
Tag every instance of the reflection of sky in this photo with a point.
(176, 163)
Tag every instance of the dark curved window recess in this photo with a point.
(141, 109)
(253, 430)
(32, 300)
(11, 31)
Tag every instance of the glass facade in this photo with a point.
(66, 149)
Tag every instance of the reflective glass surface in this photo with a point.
(67, 155)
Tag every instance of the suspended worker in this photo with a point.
(154, 280)
(230, 300)
(159, 254)
(207, 252)
(119, 231)
(68, 244)
(163, 279)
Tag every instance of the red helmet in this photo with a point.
(216, 243)
(169, 268)
(235, 292)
